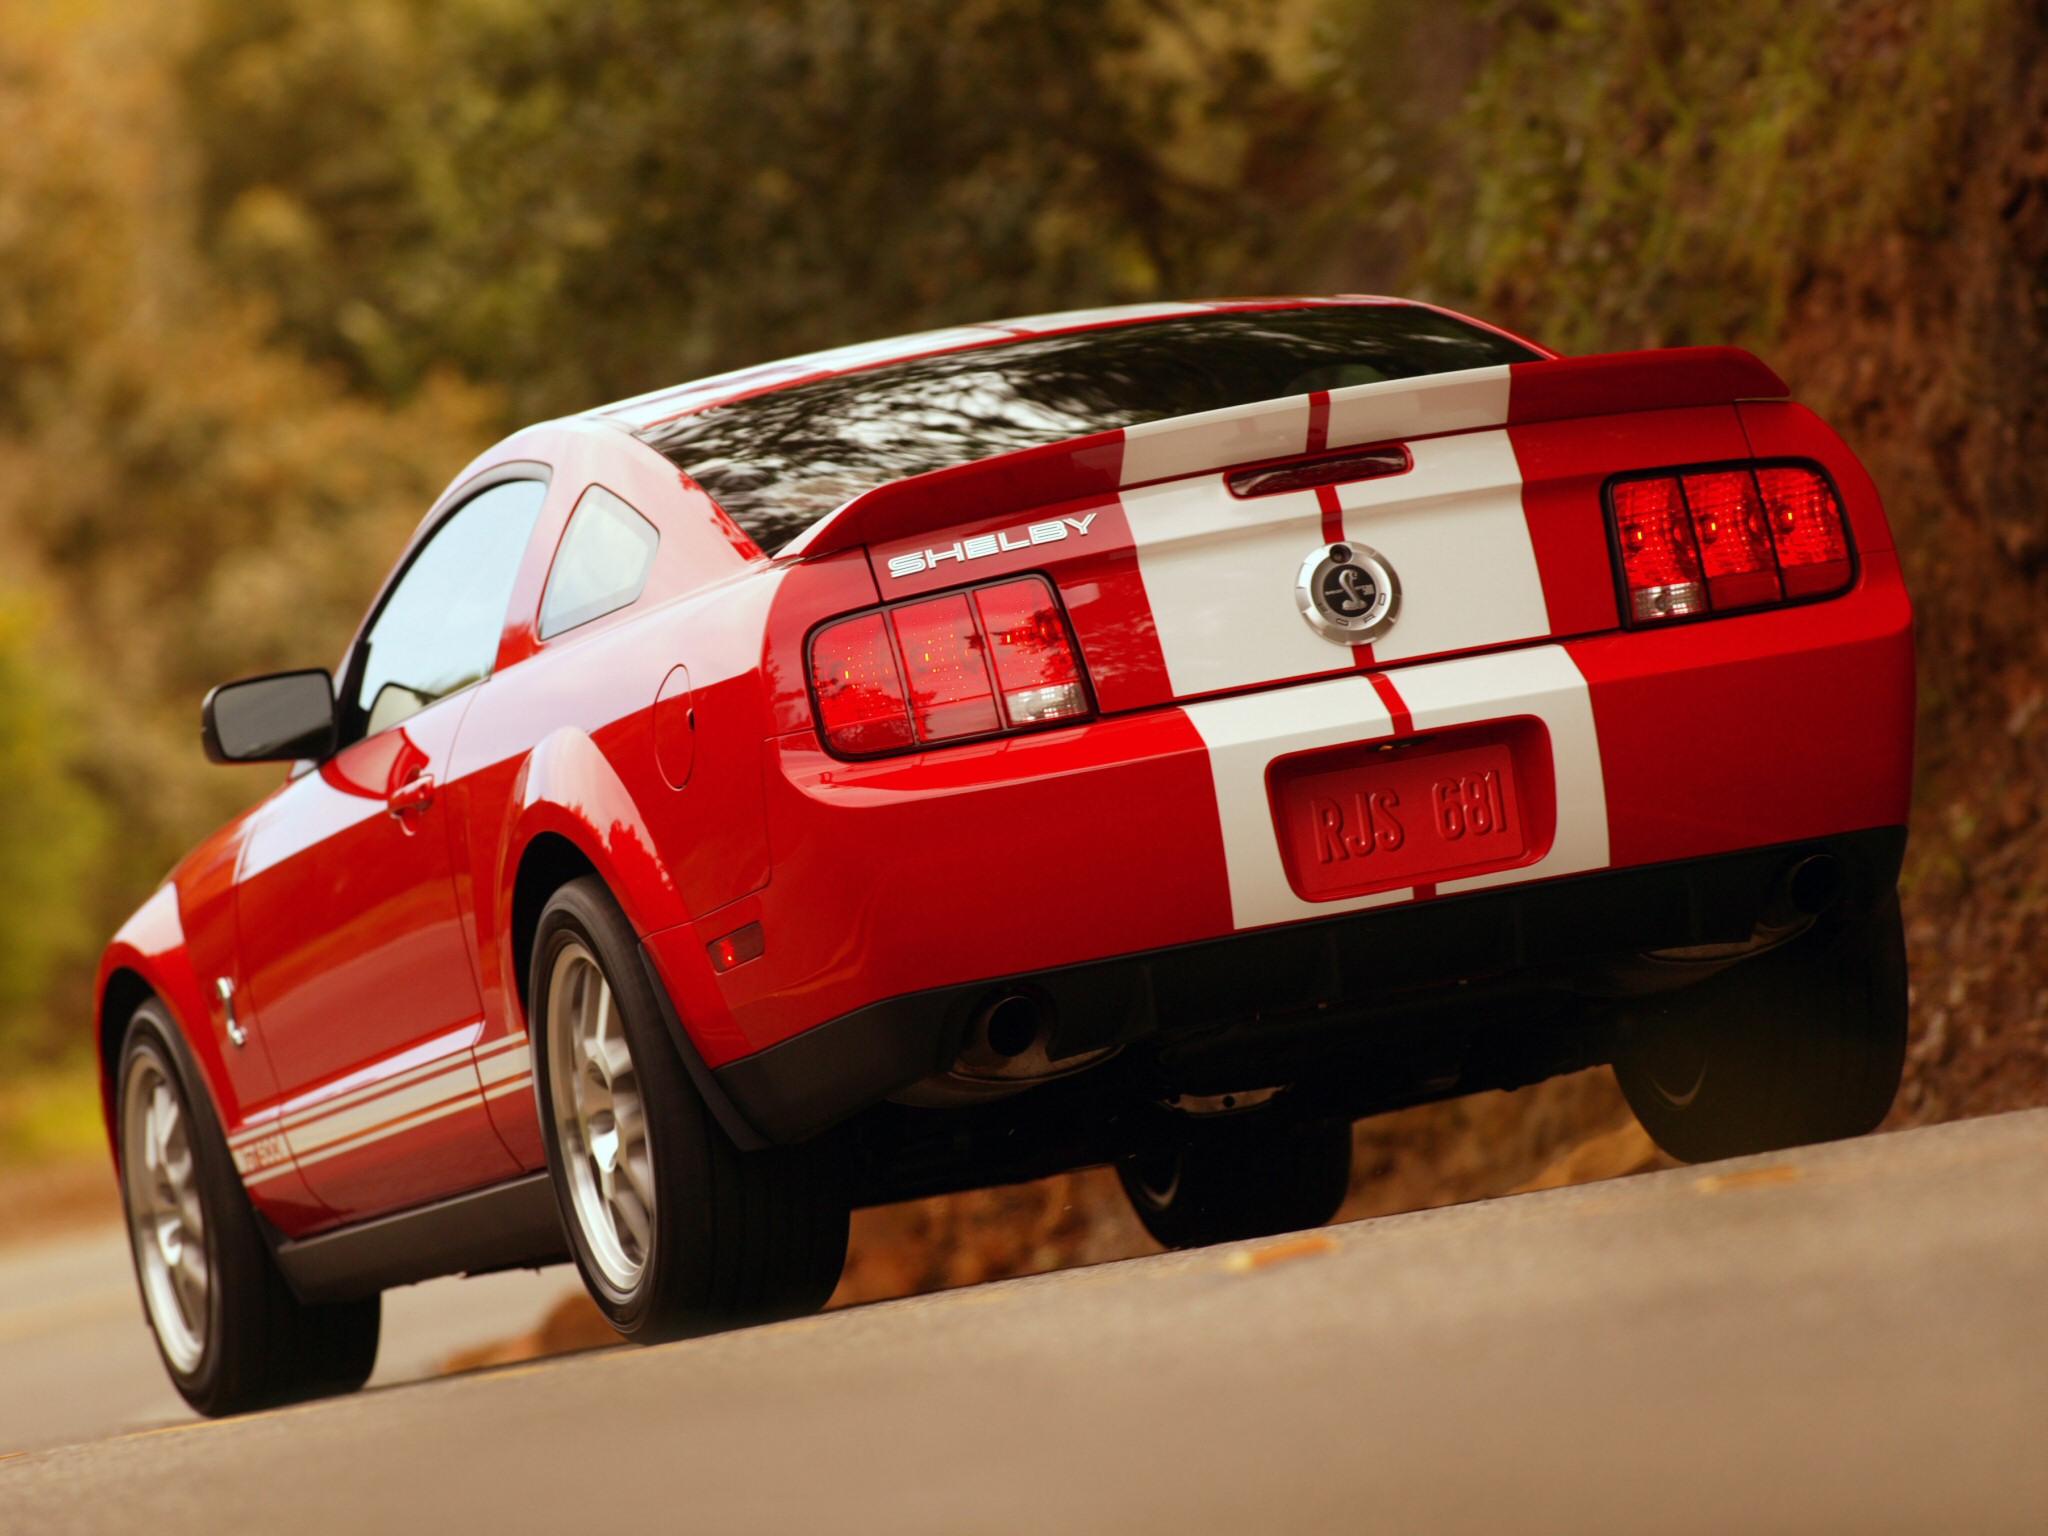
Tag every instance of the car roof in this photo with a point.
(651, 410)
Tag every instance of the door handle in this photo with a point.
(415, 794)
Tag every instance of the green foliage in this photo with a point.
(1643, 173)
(581, 198)
(180, 500)
(51, 831)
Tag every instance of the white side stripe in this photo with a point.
(457, 1083)
(373, 1113)
(303, 1113)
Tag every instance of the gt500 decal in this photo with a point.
(983, 545)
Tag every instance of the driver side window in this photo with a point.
(438, 631)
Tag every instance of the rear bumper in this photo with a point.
(813, 1081)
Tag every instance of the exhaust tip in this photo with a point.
(1815, 884)
(1011, 1026)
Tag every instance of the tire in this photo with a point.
(233, 1337)
(1245, 1176)
(1802, 1044)
(674, 1229)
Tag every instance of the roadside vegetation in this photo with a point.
(272, 270)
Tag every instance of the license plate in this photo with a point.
(1364, 820)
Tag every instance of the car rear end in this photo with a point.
(1076, 761)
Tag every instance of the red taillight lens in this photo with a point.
(861, 705)
(950, 693)
(1714, 540)
(1036, 668)
(1735, 546)
(1806, 524)
(1659, 560)
(947, 668)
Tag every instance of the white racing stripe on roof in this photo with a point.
(1075, 319)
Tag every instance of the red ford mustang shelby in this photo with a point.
(1155, 737)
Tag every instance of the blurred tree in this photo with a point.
(180, 499)
(578, 199)
(54, 829)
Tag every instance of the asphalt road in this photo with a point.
(76, 1361)
(1847, 1339)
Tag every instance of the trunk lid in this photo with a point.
(1181, 572)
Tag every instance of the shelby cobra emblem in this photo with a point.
(1348, 594)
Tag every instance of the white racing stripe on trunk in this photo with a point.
(1219, 574)
(1245, 734)
(1391, 410)
(1545, 682)
(1398, 409)
(1236, 434)
(1455, 534)
(1220, 571)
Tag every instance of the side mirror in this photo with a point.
(278, 718)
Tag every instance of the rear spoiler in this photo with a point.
(1516, 394)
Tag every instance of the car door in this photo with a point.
(356, 961)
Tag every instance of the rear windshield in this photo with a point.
(778, 462)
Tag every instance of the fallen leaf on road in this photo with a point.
(1246, 1261)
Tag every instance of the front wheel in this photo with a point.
(1241, 1176)
(231, 1333)
(674, 1229)
(1802, 1044)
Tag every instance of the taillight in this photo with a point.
(860, 692)
(1722, 538)
(1806, 526)
(1036, 669)
(964, 664)
(1659, 560)
(947, 662)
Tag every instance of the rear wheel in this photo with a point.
(674, 1229)
(1241, 1176)
(230, 1331)
(1803, 1044)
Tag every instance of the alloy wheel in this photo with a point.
(600, 1119)
(166, 1221)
